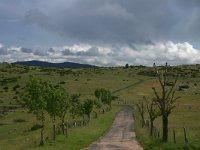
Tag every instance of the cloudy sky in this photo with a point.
(101, 32)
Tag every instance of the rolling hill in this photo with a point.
(56, 65)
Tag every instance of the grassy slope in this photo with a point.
(18, 135)
(186, 114)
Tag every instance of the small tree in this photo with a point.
(106, 97)
(64, 106)
(153, 112)
(53, 102)
(126, 66)
(75, 105)
(97, 93)
(166, 99)
(87, 107)
(34, 100)
(98, 106)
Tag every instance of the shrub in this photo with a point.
(19, 120)
(169, 83)
(62, 82)
(15, 97)
(15, 87)
(56, 86)
(183, 87)
(5, 88)
(36, 127)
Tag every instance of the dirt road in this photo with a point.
(120, 136)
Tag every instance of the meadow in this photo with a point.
(128, 84)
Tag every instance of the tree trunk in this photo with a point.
(54, 128)
(54, 131)
(42, 130)
(89, 117)
(42, 136)
(143, 122)
(63, 125)
(165, 128)
(151, 127)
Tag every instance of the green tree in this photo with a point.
(88, 107)
(165, 100)
(75, 106)
(34, 100)
(52, 98)
(64, 106)
(106, 97)
(97, 93)
(98, 106)
(126, 66)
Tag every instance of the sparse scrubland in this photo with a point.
(19, 129)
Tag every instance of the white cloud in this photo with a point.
(140, 54)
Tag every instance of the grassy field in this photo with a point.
(186, 114)
(129, 84)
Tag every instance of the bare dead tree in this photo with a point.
(153, 112)
(166, 99)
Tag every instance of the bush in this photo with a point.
(15, 97)
(19, 120)
(169, 83)
(36, 127)
(62, 82)
(15, 87)
(56, 86)
(183, 87)
(5, 88)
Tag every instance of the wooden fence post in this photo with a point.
(185, 135)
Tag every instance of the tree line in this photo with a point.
(42, 98)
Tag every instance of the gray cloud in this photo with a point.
(116, 21)
(26, 50)
(67, 52)
(36, 16)
(40, 53)
(51, 50)
(92, 51)
(3, 51)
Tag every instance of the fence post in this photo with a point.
(185, 135)
(174, 135)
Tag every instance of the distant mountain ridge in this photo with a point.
(56, 65)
